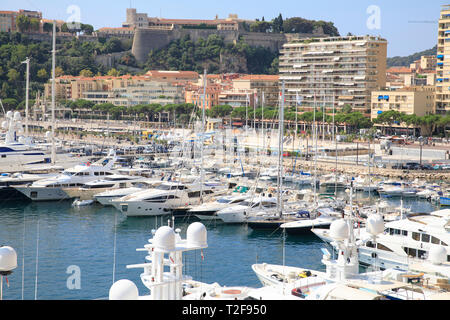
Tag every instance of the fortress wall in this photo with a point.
(148, 39)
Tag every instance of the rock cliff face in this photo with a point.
(146, 40)
(232, 64)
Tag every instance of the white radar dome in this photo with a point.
(375, 224)
(9, 114)
(17, 116)
(437, 255)
(339, 230)
(124, 290)
(196, 235)
(164, 238)
(8, 259)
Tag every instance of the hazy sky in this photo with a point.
(408, 25)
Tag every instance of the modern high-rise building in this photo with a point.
(339, 70)
(443, 63)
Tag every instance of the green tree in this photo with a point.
(42, 75)
(35, 24)
(86, 73)
(113, 73)
(278, 24)
(23, 23)
(13, 75)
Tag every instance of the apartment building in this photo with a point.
(418, 100)
(339, 70)
(8, 21)
(266, 86)
(424, 63)
(194, 94)
(443, 63)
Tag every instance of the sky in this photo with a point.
(409, 26)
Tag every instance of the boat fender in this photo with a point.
(374, 255)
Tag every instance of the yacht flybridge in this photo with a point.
(54, 189)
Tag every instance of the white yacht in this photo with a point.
(105, 197)
(239, 213)
(9, 181)
(53, 189)
(208, 210)
(164, 199)
(18, 150)
(108, 183)
(403, 240)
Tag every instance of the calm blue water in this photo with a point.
(84, 237)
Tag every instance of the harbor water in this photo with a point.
(67, 253)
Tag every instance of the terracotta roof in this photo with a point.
(263, 77)
(172, 74)
(399, 70)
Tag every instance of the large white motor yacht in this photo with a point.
(165, 198)
(53, 189)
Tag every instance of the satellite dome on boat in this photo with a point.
(437, 255)
(339, 230)
(17, 116)
(8, 259)
(197, 235)
(9, 114)
(124, 290)
(375, 224)
(164, 238)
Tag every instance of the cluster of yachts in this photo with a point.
(410, 261)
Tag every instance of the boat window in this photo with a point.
(122, 185)
(96, 173)
(225, 201)
(425, 237)
(163, 187)
(269, 204)
(208, 192)
(157, 199)
(423, 254)
(100, 186)
(391, 231)
(404, 233)
(411, 252)
(397, 232)
(195, 194)
(383, 247)
(448, 258)
(416, 236)
(435, 240)
(370, 244)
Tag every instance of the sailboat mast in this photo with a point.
(203, 136)
(53, 92)
(281, 152)
(27, 62)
